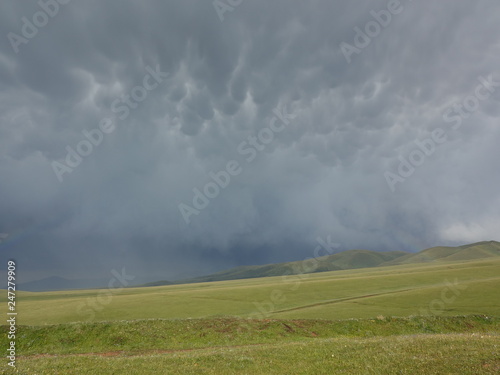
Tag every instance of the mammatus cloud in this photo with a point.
(95, 161)
(249, 149)
(122, 108)
(455, 115)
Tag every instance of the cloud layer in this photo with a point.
(322, 175)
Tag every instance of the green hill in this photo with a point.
(345, 260)
(478, 250)
(350, 259)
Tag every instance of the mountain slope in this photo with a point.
(478, 250)
(350, 259)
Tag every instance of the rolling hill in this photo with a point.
(478, 250)
(345, 260)
(350, 259)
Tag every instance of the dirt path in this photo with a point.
(340, 300)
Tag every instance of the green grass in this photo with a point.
(426, 355)
(415, 345)
(403, 319)
(148, 335)
(391, 291)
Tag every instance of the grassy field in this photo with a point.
(392, 291)
(332, 322)
(416, 345)
(429, 354)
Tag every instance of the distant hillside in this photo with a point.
(345, 260)
(352, 259)
(155, 283)
(349, 259)
(478, 250)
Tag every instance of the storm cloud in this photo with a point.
(356, 117)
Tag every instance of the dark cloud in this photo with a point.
(322, 175)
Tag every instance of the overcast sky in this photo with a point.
(376, 123)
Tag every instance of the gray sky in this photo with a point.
(180, 86)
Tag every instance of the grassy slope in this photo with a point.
(351, 259)
(478, 250)
(397, 291)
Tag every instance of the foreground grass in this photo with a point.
(461, 354)
(143, 335)
(385, 345)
